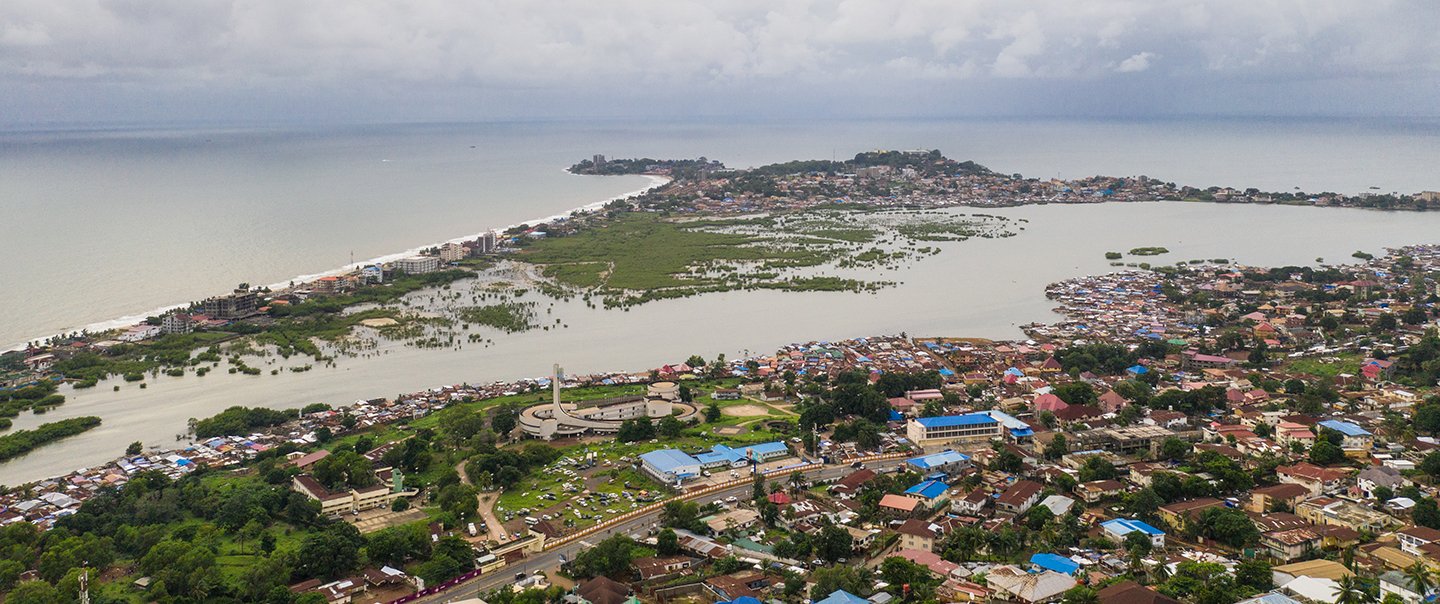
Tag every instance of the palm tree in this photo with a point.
(1421, 578)
(1160, 572)
(1353, 590)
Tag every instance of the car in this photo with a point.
(519, 576)
(732, 499)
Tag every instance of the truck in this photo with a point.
(471, 529)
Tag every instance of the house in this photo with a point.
(899, 504)
(603, 590)
(1414, 539)
(1130, 592)
(670, 465)
(1013, 582)
(1315, 478)
(1274, 497)
(1338, 512)
(1356, 441)
(1120, 528)
(1181, 512)
(930, 490)
(918, 535)
(1291, 544)
(841, 596)
(1403, 587)
(1019, 497)
(852, 482)
(653, 568)
(1057, 504)
(946, 462)
(1096, 490)
(1054, 562)
(972, 503)
(1374, 477)
(1314, 569)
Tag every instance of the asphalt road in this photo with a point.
(638, 526)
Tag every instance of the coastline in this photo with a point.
(131, 319)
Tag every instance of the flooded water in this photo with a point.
(980, 288)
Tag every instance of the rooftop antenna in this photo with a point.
(85, 586)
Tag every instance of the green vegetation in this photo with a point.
(241, 420)
(1113, 255)
(1148, 251)
(20, 442)
(637, 257)
(510, 317)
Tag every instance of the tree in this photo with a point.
(610, 557)
(1422, 579)
(834, 543)
(1057, 447)
(330, 552)
(1325, 453)
(135, 448)
(712, 412)
(1229, 526)
(1174, 449)
(899, 573)
(856, 580)
(1259, 356)
(681, 514)
(1076, 393)
(34, 592)
(670, 427)
(345, 469)
(503, 422)
(1254, 574)
(1431, 464)
(1353, 590)
(1097, 468)
(667, 543)
(1080, 594)
(1425, 513)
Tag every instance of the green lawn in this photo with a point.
(1348, 363)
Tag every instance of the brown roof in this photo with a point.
(1284, 490)
(1020, 492)
(857, 478)
(1130, 592)
(1191, 507)
(1423, 533)
(916, 527)
(899, 502)
(603, 590)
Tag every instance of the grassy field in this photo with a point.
(1347, 363)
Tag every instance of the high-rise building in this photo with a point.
(237, 305)
(453, 252)
(417, 265)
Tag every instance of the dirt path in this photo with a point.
(494, 529)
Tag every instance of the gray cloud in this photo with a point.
(89, 58)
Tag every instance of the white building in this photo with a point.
(453, 252)
(418, 265)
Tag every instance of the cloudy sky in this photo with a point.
(367, 60)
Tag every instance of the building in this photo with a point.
(918, 534)
(1414, 539)
(176, 322)
(1356, 441)
(487, 242)
(1014, 583)
(1096, 490)
(604, 416)
(899, 504)
(929, 490)
(1019, 497)
(1329, 511)
(981, 426)
(670, 465)
(1315, 478)
(1291, 544)
(1271, 498)
(335, 503)
(946, 462)
(1403, 587)
(453, 252)
(417, 265)
(1181, 512)
(239, 304)
(1119, 528)
(1130, 592)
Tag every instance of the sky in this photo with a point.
(437, 60)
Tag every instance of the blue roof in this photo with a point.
(950, 421)
(1139, 369)
(925, 462)
(929, 489)
(841, 596)
(1055, 562)
(668, 460)
(1124, 526)
(746, 600)
(895, 416)
(1346, 428)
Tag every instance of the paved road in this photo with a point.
(550, 559)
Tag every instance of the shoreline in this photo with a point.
(132, 319)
